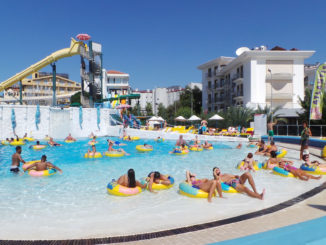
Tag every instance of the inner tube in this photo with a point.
(141, 148)
(208, 148)
(159, 186)
(190, 191)
(34, 173)
(282, 172)
(4, 142)
(92, 143)
(313, 169)
(281, 153)
(180, 153)
(196, 148)
(159, 140)
(93, 155)
(257, 166)
(69, 141)
(118, 190)
(114, 154)
(132, 138)
(28, 139)
(15, 143)
(39, 147)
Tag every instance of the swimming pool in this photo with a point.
(76, 204)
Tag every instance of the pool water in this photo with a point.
(76, 204)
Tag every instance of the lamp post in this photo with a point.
(271, 79)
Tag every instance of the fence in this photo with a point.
(295, 130)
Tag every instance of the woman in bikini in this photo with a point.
(297, 172)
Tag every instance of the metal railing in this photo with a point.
(295, 130)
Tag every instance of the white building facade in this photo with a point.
(115, 83)
(255, 77)
(166, 96)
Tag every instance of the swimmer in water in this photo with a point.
(239, 146)
(43, 165)
(92, 151)
(111, 149)
(16, 159)
(158, 178)
(53, 143)
(248, 163)
(129, 180)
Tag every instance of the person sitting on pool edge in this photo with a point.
(237, 182)
(70, 138)
(158, 178)
(261, 148)
(129, 180)
(51, 142)
(16, 159)
(302, 175)
(207, 145)
(42, 165)
(205, 185)
(111, 149)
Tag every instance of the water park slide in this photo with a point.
(74, 49)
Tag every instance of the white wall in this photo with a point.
(298, 82)
(55, 122)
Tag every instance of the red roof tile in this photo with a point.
(115, 72)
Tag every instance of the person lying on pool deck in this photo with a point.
(206, 145)
(111, 149)
(43, 165)
(158, 178)
(129, 180)
(51, 142)
(261, 148)
(237, 182)
(16, 159)
(69, 137)
(297, 172)
(206, 185)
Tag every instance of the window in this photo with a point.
(215, 108)
(215, 84)
(209, 109)
(209, 72)
(215, 97)
(209, 84)
(209, 98)
(215, 70)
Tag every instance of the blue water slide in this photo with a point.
(137, 120)
(126, 118)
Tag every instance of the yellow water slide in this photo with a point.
(74, 49)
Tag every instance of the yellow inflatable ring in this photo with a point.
(180, 153)
(92, 143)
(196, 148)
(69, 141)
(28, 139)
(159, 186)
(281, 172)
(47, 138)
(4, 142)
(15, 143)
(142, 148)
(95, 155)
(39, 147)
(34, 173)
(188, 190)
(160, 140)
(281, 153)
(118, 190)
(114, 154)
(132, 138)
(323, 153)
(208, 148)
(257, 166)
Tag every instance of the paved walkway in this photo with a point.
(308, 209)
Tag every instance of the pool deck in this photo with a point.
(310, 208)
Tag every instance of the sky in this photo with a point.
(159, 43)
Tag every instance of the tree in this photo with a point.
(184, 111)
(305, 104)
(149, 109)
(161, 111)
(185, 99)
(236, 116)
(136, 110)
(267, 110)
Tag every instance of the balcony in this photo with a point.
(279, 96)
(237, 77)
(279, 76)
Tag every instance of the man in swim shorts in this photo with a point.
(16, 159)
(270, 126)
(43, 165)
(69, 137)
(181, 141)
(237, 182)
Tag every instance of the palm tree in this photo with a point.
(267, 110)
(237, 115)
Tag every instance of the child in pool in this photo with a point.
(248, 163)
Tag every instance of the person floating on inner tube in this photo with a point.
(158, 178)
(111, 149)
(129, 180)
(42, 165)
(206, 145)
(206, 185)
(51, 142)
(70, 138)
(297, 172)
(237, 182)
